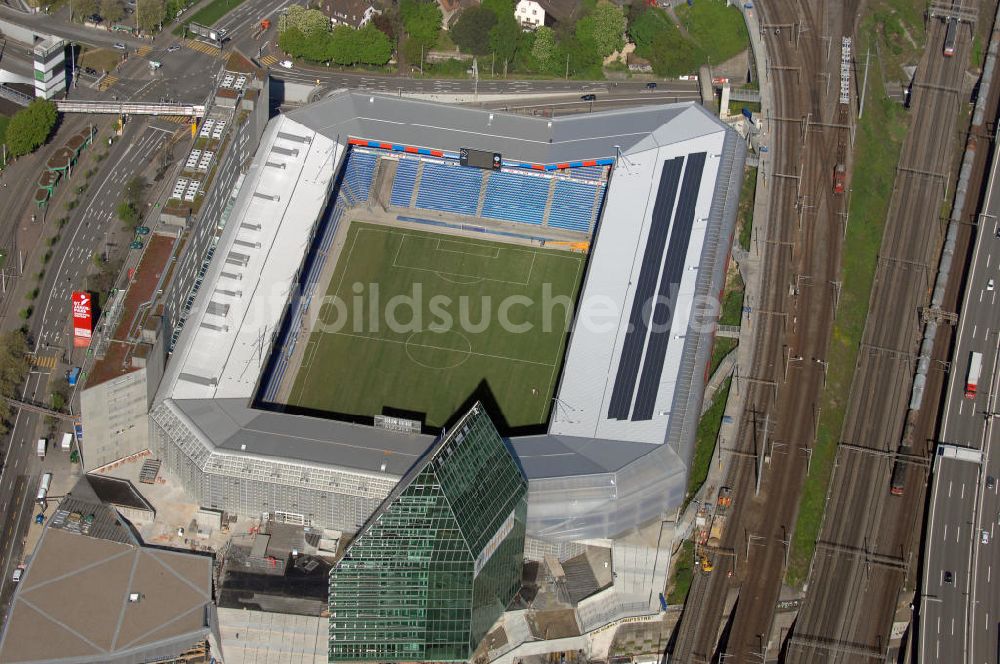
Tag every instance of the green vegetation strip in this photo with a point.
(745, 214)
(705, 440)
(210, 13)
(880, 136)
(680, 584)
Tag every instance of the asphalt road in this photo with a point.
(976, 508)
(50, 333)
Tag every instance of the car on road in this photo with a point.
(18, 573)
(135, 245)
(142, 230)
(90, 71)
(287, 64)
(651, 86)
(120, 46)
(173, 47)
(949, 577)
(990, 285)
(990, 482)
(985, 537)
(590, 97)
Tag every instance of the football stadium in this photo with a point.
(390, 264)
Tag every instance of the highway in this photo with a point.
(864, 551)
(958, 518)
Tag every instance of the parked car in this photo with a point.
(142, 230)
(287, 64)
(137, 244)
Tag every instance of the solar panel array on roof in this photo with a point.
(673, 270)
(635, 337)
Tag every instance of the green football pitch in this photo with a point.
(418, 321)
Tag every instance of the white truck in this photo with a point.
(43, 488)
(41, 448)
(972, 380)
(67, 441)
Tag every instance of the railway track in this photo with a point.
(865, 550)
(794, 320)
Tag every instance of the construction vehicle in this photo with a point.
(706, 564)
(263, 27)
(722, 504)
(839, 178)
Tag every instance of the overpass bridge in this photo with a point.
(130, 108)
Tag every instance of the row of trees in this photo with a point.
(150, 14)
(132, 202)
(30, 127)
(306, 33)
(572, 48)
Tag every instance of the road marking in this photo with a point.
(949, 494)
(953, 626)
(946, 531)
(958, 532)
(974, 331)
(963, 491)
(939, 624)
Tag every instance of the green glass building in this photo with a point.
(440, 560)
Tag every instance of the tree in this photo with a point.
(150, 15)
(127, 213)
(311, 22)
(422, 21)
(83, 9)
(13, 369)
(606, 26)
(372, 46)
(504, 39)
(471, 31)
(30, 127)
(135, 191)
(112, 11)
(544, 48)
(386, 23)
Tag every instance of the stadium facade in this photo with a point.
(651, 191)
(438, 563)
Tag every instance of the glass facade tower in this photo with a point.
(440, 560)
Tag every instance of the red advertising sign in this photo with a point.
(82, 318)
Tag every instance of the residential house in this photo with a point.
(353, 13)
(533, 13)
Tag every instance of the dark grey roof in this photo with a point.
(420, 123)
(116, 491)
(557, 456)
(230, 424)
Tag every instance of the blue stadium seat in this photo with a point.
(358, 174)
(402, 186)
(586, 172)
(449, 188)
(515, 197)
(572, 206)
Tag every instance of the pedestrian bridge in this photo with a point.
(130, 108)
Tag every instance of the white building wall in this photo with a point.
(529, 14)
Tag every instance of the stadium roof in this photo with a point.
(610, 413)
(541, 140)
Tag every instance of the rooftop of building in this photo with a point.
(142, 286)
(117, 491)
(93, 593)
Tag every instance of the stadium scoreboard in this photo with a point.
(480, 159)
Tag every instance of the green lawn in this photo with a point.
(719, 30)
(732, 303)
(880, 137)
(680, 582)
(459, 327)
(744, 216)
(722, 347)
(209, 14)
(3, 128)
(705, 440)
